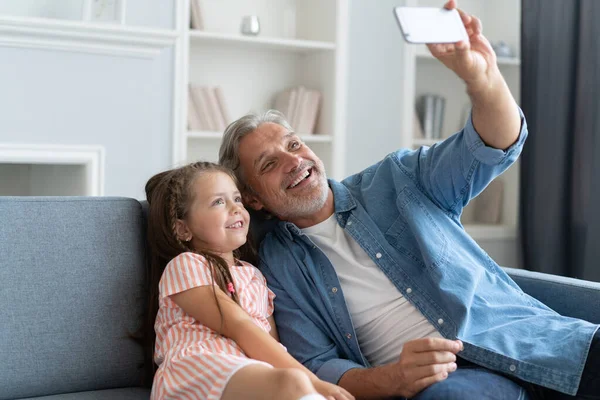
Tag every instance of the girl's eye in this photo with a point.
(218, 202)
(238, 199)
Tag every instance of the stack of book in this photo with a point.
(300, 107)
(207, 110)
(196, 19)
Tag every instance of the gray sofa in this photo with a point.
(71, 291)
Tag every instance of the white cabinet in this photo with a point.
(301, 43)
(501, 21)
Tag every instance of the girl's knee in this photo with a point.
(291, 380)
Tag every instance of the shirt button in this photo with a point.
(440, 321)
(513, 368)
(409, 290)
(334, 290)
(349, 223)
(378, 255)
(349, 336)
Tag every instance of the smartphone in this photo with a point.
(430, 25)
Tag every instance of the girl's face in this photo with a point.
(217, 221)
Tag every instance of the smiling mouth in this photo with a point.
(300, 178)
(236, 225)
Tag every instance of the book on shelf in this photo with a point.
(207, 110)
(417, 128)
(301, 108)
(196, 18)
(222, 105)
(193, 120)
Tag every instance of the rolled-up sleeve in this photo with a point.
(455, 170)
(490, 155)
(333, 369)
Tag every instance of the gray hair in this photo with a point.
(229, 155)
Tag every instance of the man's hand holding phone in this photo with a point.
(454, 37)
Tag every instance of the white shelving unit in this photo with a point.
(501, 21)
(302, 42)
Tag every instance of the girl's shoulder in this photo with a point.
(186, 263)
(185, 271)
(188, 258)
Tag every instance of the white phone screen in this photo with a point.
(430, 25)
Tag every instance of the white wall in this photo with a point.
(374, 83)
(74, 98)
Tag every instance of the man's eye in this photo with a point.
(295, 144)
(267, 166)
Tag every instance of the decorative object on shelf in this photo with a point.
(250, 25)
(207, 109)
(431, 111)
(300, 107)
(502, 49)
(488, 205)
(104, 11)
(196, 18)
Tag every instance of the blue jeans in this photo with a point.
(471, 381)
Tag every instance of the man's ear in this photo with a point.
(182, 231)
(253, 202)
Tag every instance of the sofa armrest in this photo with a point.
(567, 296)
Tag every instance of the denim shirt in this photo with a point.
(405, 213)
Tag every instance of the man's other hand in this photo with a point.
(422, 363)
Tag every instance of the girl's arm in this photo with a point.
(237, 325)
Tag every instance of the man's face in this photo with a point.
(288, 179)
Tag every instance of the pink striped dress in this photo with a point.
(195, 362)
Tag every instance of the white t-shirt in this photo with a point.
(383, 319)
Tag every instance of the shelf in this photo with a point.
(422, 55)
(219, 136)
(84, 37)
(491, 232)
(293, 45)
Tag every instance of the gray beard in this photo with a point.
(299, 208)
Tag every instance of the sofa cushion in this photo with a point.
(110, 394)
(71, 274)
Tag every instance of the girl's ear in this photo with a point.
(253, 202)
(182, 231)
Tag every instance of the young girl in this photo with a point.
(215, 335)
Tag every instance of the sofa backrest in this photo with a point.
(71, 277)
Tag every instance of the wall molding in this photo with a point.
(90, 157)
(82, 37)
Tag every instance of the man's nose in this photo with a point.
(292, 162)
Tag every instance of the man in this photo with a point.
(378, 286)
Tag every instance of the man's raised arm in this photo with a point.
(495, 114)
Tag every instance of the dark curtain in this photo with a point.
(560, 165)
